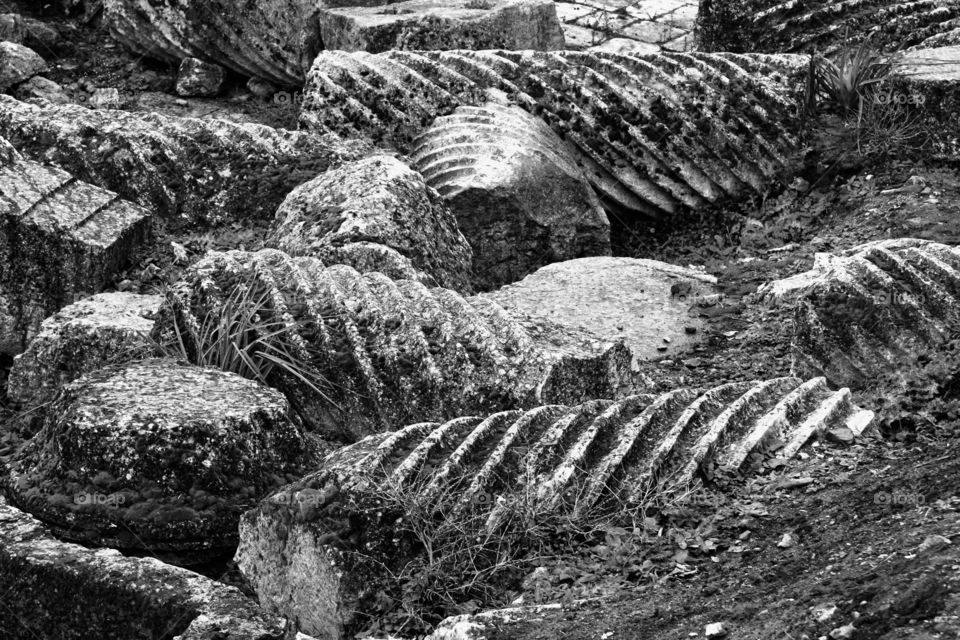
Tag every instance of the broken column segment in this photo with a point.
(316, 550)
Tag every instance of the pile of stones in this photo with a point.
(438, 261)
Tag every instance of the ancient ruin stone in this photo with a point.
(60, 238)
(443, 24)
(103, 329)
(38, 89)
(866, 312)
(312, 550)
(274, 39)
(645, 303)
(654, 134)
(825, 25)
(394, 351)
(926, 84)
(56, 589)
(195, 170)
(158, 455)
(486, 624)
(197, 78)
(18, 63)
(365, 213)
(516, 189)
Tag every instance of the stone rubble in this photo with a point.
(313, 551)
(17, 64)
(515, 188)
(200, 79)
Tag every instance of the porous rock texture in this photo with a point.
(645, 303)
(158, 455)
(361, 213)
(198, 78)
(826, 26)
(103, 329)
(56, 589)
(929, 81)
(867, 312)
(516, 190)
(443, 24)
(197, 171)
(312, 550)
(60, 238)
(270, 39)
(18, 63)
(393, 351)
(655, 134)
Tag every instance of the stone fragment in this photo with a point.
(199, 79)
(487, 624)
(865, 312)
(261, 88)
(393, 351)
(61, 238)
(39, 89)
(100, 330)
(39, 575)
(364, 213)
(715, 630)
(443, 24)
(318, 549)
(637, 301)
(186, 169)
(18, 63)
(934, 543)
(12, 28)
(517, 192)
(655, 135)
(106, 98)
(159, 456)
(272, 39)
(926, 85)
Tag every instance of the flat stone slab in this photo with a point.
(940, 64)
(319, 549)
(56, 589)
(61, 238)
(375, 214)
(443, 24)
(645, 303)
(158, 456)
(80, 338)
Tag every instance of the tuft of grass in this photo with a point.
(848, 81)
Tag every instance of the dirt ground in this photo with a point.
(857, 515)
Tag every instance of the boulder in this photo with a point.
(926, 87)
(272, 39)
(185, 169)
(867, 312)
(645, 303)
(158, 456)
(61, 238)
(56, 589)
(825, 26)
(199, 79)
(39, 89)
(384, 352)
(443, 24)
(515, 188)
(364, 213)
(85, 336)
(18, 63)
(318, 550)
(655, 135)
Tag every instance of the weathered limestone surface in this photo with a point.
(18, 63)
(488, 624)
(158, 455)
(929, 80)
(629, 26)
(103, 329)
(311, 551)
(645, 303)
(364, 213)
(825, 25)
(654, 134)
(272, 39)
(516, 190)
(54, 589)
(396, 351)
(864, 313)
(443, 24)
(198, 170)
(60, 238)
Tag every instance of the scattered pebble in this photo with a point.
(823, 612)
(786, 541)
(934, 543)
(715, 630)
(846, 631)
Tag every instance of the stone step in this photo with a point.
(653, 133)
(61, 238)
(865, 312)
(393, 351)
(598, 459)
